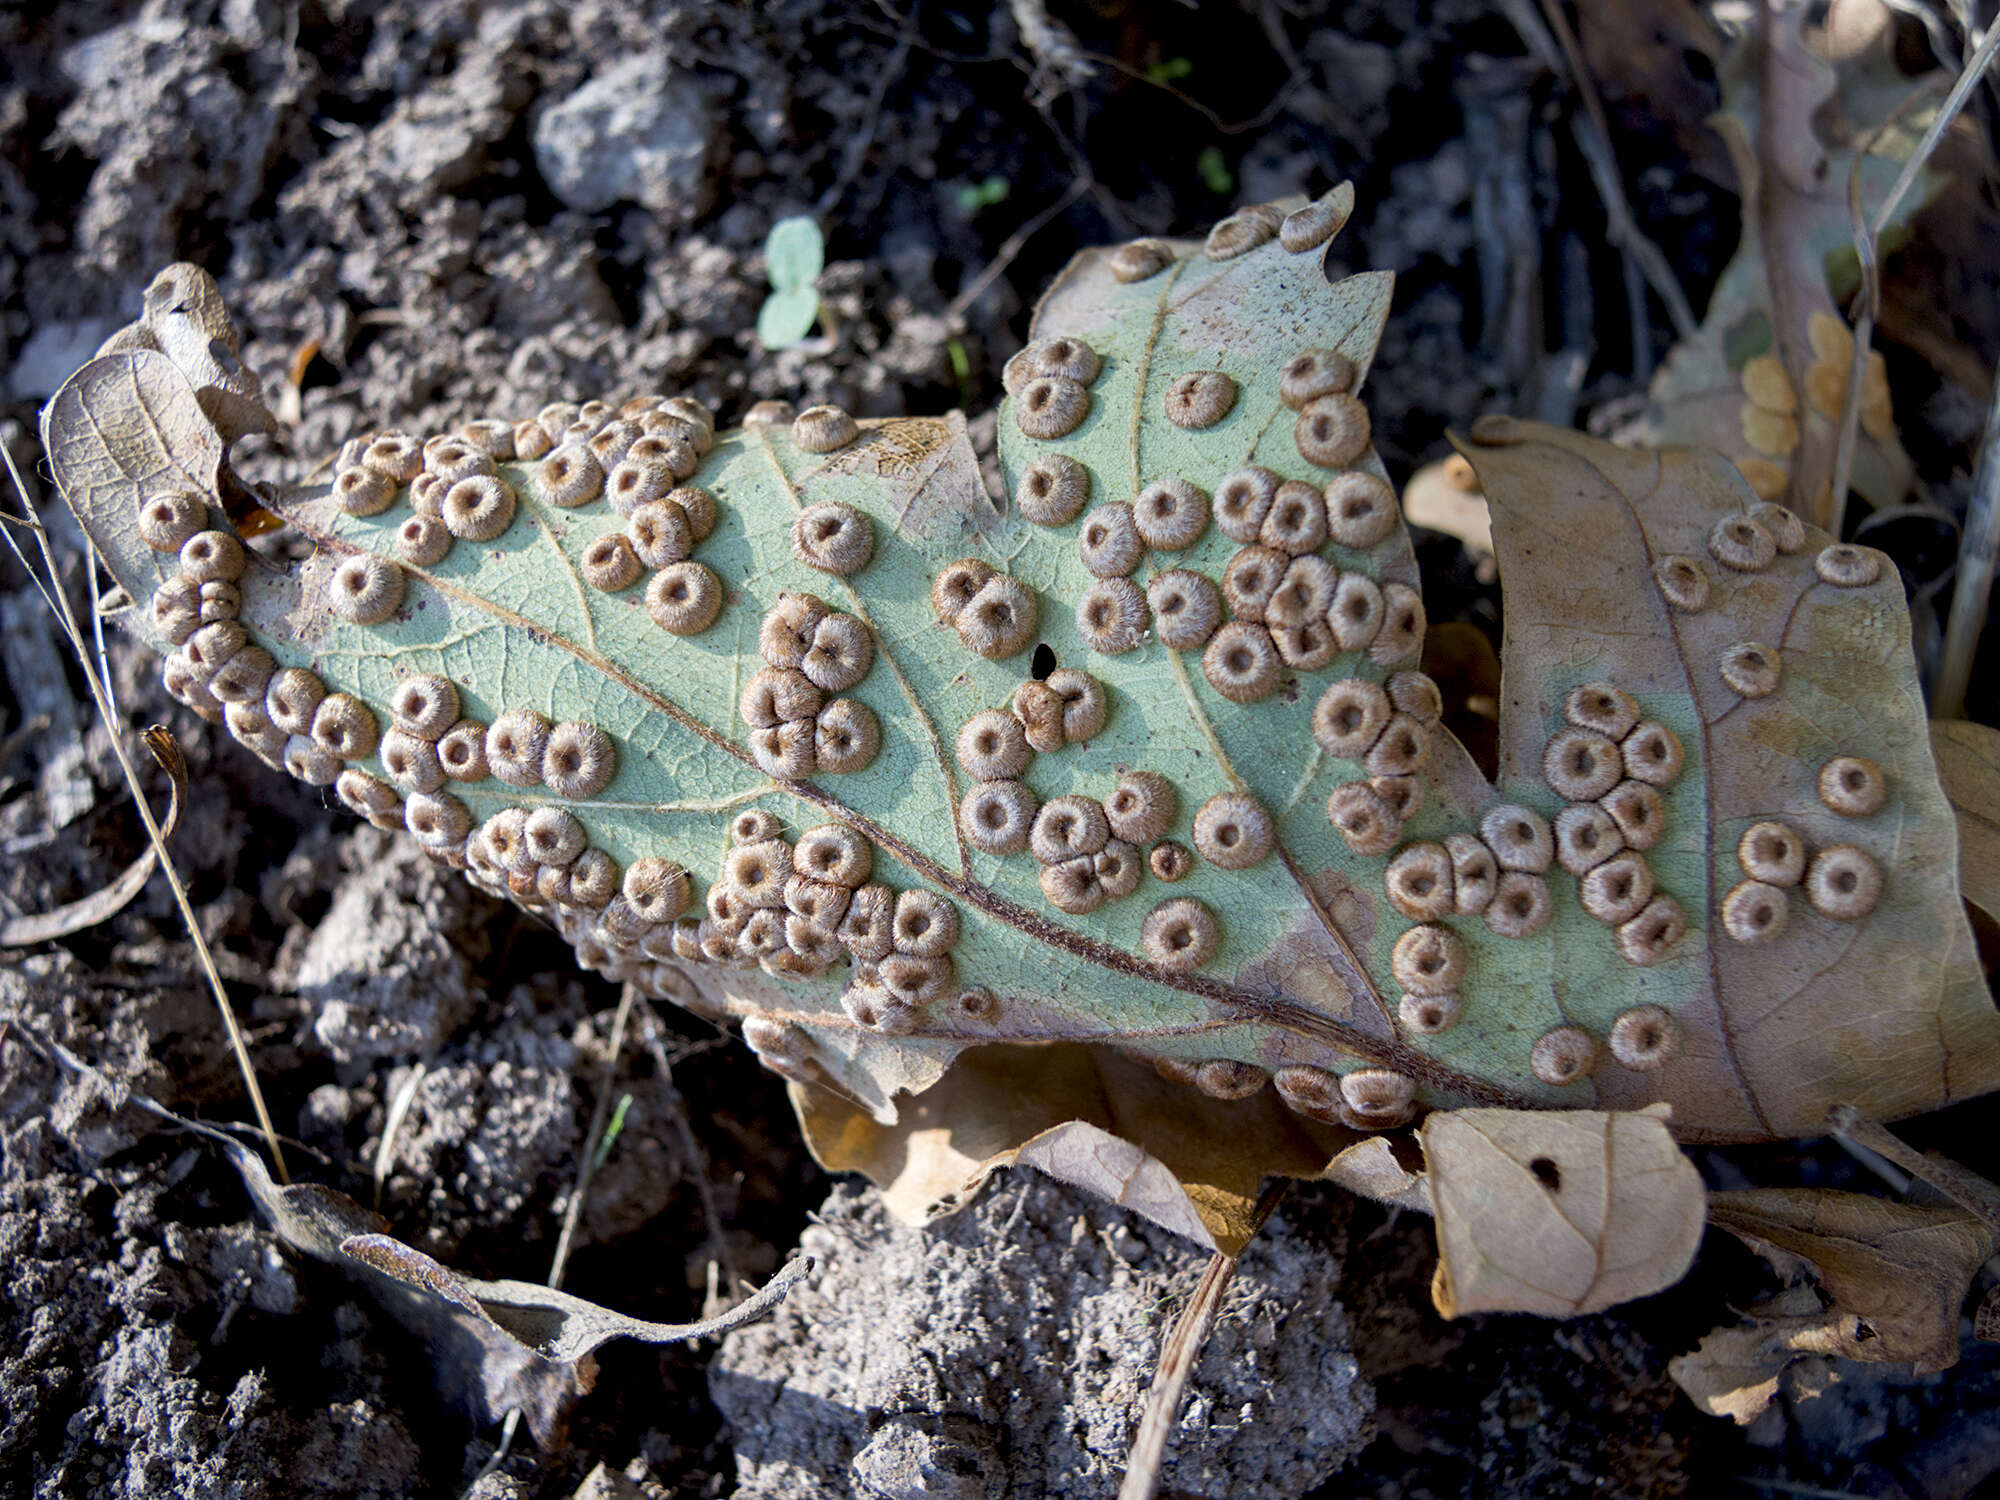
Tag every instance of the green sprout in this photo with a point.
(1215, 171)
(973, 196)
(611, 1133)
(794, 254)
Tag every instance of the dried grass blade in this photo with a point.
(52, 591)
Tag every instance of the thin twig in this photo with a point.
(1177, 1361)
(1961, 90)
(399, 1111)
(586, 1167)
(1593, 139)
(1867, 308)
(1866, 237)
(1967, 1189)
(650, 1032)
(101, 695)
(1011, 247)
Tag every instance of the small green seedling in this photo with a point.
(794, 254)
(989, 190)
(1214, 170)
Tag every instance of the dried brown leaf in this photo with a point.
(1557, 1214)
(1968, 761)
(1901, 1269)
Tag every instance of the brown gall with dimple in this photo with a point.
(1602, 706)
(1363, 818)
(1313, 373)
(1050, 407)
(1652, 935)
(1771, 852)
(1200, 399)
(1139, 260)
(833, 538)
(1616, 890)
(1848, 567)
(1681, 583)
(1852, 786)
(1843, 883)
(1566, 1055)
(1652, 754)
(365, 589)
(1179, 936)
(1754, 912)
(1520, 906)
(1241, 662)
(1232, 831)
(1171, 514)
(1644, 1038)
(1111, 616)
(1296, 522)
(1740, 543)
(1000, 619)
(1108, 542)
(1242, 500)
(1751, 669)
(1141, 807)
(1332, 432)
(1586, 836)
(1418, 882)
(1052, 490)
(1240, 233)
(823, 429)
(1581, 765)
(1361, 510)
(1186, 608)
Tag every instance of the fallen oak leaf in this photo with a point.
(1295, 956)
(1557, 1213)
(495, 1345)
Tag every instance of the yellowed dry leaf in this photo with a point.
(1087, 1115)
(1557, 1214)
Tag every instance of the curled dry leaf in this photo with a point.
(494, 1345)
(1891, 1280)
(731, 775)
(1557, 1213)
(104, 904)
